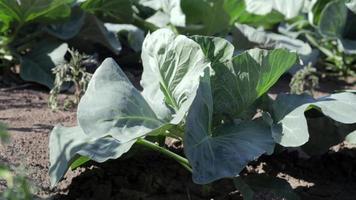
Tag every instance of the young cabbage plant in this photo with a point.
(334, 33)
(196, 91)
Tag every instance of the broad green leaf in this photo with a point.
(206, 17)
(134, 35)
(37, 65)
(68, 143)
(94, 32)
(347, 46)
(289, 9)
(236, 9)
(215, 49)
(250, 75)
(64, 143)
(291, 128)
(113, 106)
(70, 28)
(171, 68)
(340, 107)
(351, 4)
(23, 11)
(347, 43)
(316, 8)
(351, 137)
(220, 152)
(167, 12)
(246, 37)
(259, 7)
(116, 11)
(333, 18)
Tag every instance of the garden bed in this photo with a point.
(152, 176)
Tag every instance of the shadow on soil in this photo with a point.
(153, 177)
(330, 176)
(146, 176)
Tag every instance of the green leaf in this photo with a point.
(333, 19)
(23, 11)
(70, 28)
(134, 35)
(291, 125)
(217, 50)
(68, 143)
(289, 9)
(351, 137)
(206, 17)
(237, 11)
(79, 162)
(37, 65)
(246, 37)
(85, 32)
(250, 75)
(167, 12)
(112, 106)
(291, 128)
(347, 46)
(94, 32)
(351, 4)
(171, 68)
(316, 9)
(340, 107)
(116, 11)
(225, 149)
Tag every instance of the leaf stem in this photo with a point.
(181, 160)
(322, 49)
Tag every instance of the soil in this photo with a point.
(148, 175)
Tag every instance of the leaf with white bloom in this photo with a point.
(289, 8)
(167, 12)
(224, 151)
(134, 35)
(215, 49)
(247, 37)
(205, 17)
(172, 66)
(37, 65)
(250, 75)
(113, 106)
(351, 137)
(290, 128)
(66, 144)
(333, 19)
(351, 4)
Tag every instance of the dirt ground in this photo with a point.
(148, 175)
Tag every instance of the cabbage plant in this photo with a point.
(196, 91)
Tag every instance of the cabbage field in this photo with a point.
(178, 99)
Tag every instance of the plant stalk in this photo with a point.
(181, 160)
